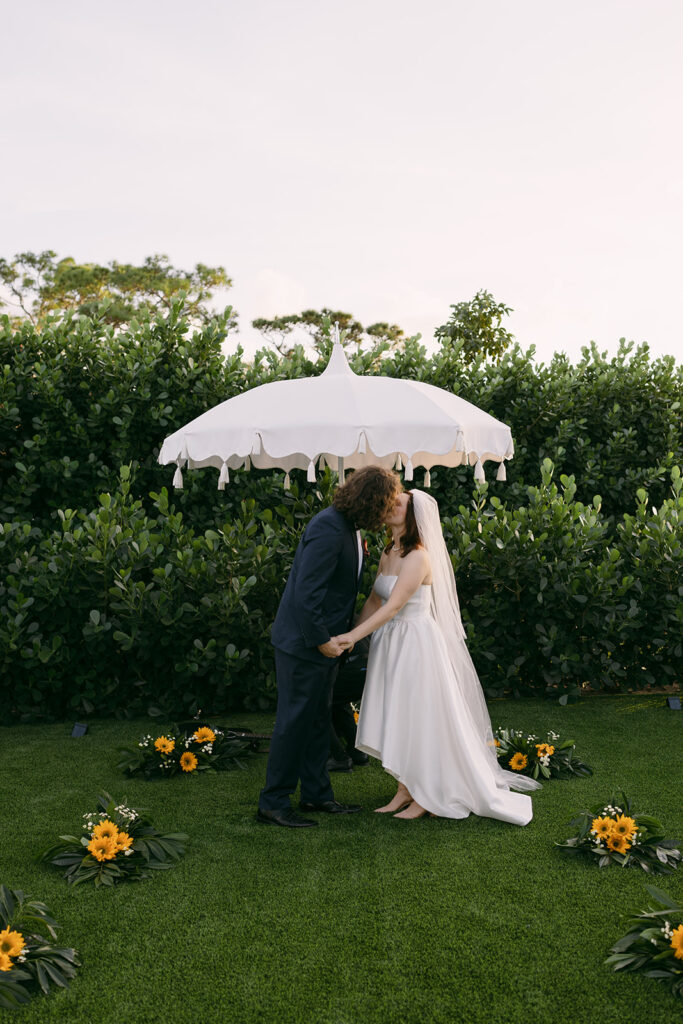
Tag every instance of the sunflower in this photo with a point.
(518, 762)
(625, 826)
(205, 735)
(619, 844)
(11, 943)
(164, 745)
(123, 841)
(105, 830)
(5, 962)
(544, 750)
(603, 826)
(102, 849)
(677, 942)
(188, 762)
(496, 743)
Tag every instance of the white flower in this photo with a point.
(128, 852)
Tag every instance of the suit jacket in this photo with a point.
(320, 595)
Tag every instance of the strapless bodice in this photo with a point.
(417, 605)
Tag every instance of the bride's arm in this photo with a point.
(413, 571)
(373, 602)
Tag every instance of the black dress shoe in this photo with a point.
(288, 818)
(358, 756)
(332, 807)
(344, 764)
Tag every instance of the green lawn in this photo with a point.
(364, 920)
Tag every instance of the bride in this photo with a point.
(423, 712)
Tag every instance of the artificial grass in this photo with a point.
(363, 919)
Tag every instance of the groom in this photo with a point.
(317, 604)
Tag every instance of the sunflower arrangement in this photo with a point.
(30, 961)
(653, 942)
(179, 752)
(552, 759)
(613, 834)
(116, 844)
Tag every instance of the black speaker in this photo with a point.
(79, 729)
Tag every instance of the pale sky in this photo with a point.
(384, 158)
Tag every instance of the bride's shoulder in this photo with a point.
(418, 555)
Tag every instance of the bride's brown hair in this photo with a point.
(410, 538)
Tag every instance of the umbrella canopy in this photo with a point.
(341, 420)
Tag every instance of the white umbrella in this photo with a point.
(341, 420)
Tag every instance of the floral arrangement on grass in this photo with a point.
(613, 834)
(175, 752)
(30, 961)
(553, 759)
(117, 844)
(653, 943)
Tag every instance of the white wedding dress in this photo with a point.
(415, 719)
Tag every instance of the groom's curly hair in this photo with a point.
(368, 496)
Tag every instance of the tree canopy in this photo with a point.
(475, 327)
(315, 322)
(38, 285)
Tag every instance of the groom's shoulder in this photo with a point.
(329, 520)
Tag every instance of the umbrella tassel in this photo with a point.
(501, 474)
(408, 475)
(427, 479)
(287, 482)
(479, 472)
(178, 478)
(310, 475)
(399, 464)
(247, 464)
(224, 478)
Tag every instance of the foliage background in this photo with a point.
(116, 597)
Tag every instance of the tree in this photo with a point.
(316, 324)
(475, 327)
(40, 285)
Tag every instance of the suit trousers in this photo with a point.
(299, 746)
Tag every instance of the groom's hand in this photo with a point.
(331, 649)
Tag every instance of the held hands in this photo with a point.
(336, 646)
(344, 639)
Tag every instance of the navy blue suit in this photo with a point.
(317, 603)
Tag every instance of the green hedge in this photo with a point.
(123, 612)
(116, 599)
(77, 401)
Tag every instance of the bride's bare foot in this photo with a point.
(401, 799)
(413, 811)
